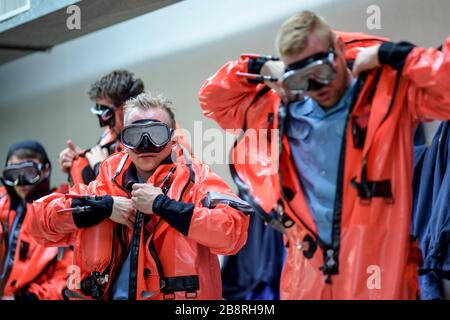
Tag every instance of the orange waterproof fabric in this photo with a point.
(220, 230)
(376, 254)
(81, 172)
(39, 270)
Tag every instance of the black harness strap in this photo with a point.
(373, 189)
(188, 284)
(368, 189)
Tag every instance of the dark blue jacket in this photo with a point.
(431, 213)
(254, 272)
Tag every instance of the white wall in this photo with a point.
(43, 96)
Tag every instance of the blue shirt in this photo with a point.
(315, 137)
(121, 286)
(120, 289)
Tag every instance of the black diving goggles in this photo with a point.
(311, 73)
(104, 113)
(146, 136)
(23, 173)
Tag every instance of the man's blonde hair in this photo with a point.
(292, 38)
(146, 101)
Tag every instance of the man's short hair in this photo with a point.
(117, 86)
(147, 101)
(292, 38)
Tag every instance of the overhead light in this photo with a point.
(12, 8)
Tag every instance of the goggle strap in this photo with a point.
(304, 62)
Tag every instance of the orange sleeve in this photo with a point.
(221, 227)
(51, 228)
(429, 73)
(225, 97)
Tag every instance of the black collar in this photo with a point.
(131, 176)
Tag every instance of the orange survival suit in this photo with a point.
(371, 255)
(33, 271)
(81, 171)
(169, 264)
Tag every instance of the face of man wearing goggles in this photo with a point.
(24, 174)
(108, 114)
(147, 137)
(326, 94)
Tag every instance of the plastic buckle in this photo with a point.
(365, 201)
(191, 295)
(389, 200)
(287, 222)
(169, 296)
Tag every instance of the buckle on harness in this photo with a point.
(190, 294)
(308, 246)
(189, 284)
(169, 296)
(330, 266)
(371, 189)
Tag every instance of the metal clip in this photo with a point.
(330, 262)
(102, 280)
(75, 210)
(258, 77)
(303, 246)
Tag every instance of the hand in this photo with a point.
(276, 69)
(143, 196)
(95, 155)
(366, 60)
(67, 156)
(123, 211)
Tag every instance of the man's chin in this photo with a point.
(146, 163)
(328, 103)
(147, 155)
(145, 167)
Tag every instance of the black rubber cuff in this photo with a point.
(177, 214)
(254, 66)
(96, 168)
(394, 54)
(101, 209)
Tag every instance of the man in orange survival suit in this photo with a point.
(168, 248)
(343, 189)
(109, 94)
(27, 270)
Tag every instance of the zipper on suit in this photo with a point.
(331, 252)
